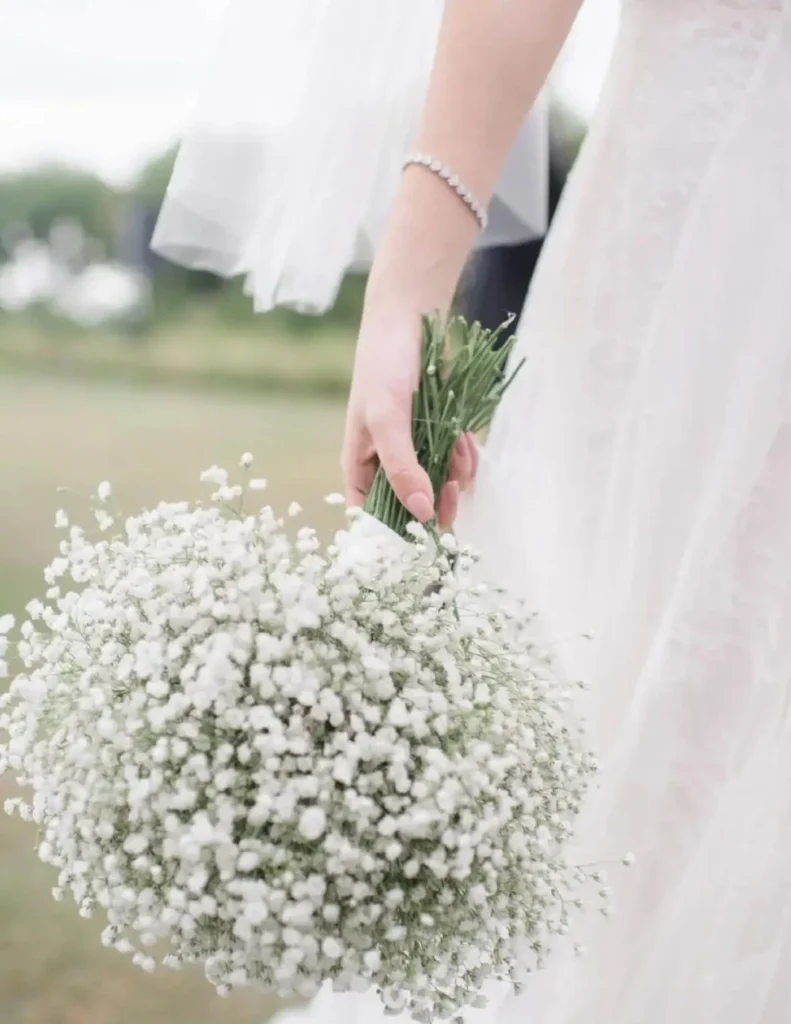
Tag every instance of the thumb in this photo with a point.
(391, 433)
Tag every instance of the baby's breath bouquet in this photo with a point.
(292, 763)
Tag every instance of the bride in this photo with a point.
(638, 477)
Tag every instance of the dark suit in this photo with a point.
(496, 281)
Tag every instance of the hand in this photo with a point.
(416, 270)
(379, 419)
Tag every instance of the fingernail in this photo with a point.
(420, 506)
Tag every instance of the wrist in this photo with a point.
(426, 243)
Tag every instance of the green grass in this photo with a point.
(193, 351)
(151, 445)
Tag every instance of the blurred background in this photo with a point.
(115, 365)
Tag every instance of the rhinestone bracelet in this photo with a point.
(432, 164)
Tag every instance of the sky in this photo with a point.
(107, 84)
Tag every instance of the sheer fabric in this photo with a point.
(638, 482)
(290, 165)
(652, 502)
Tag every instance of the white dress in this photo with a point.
(647, 449)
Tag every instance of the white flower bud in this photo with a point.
(332, 948)
(312, 823)
(214, 475)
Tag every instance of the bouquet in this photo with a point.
(293, 764)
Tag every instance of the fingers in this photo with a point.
(358, 477)
(391, 433)
(463, 467)
(461, 462)
(389, 443)
(448, 504)
(474, 457)
(464, 462)
(358, 461)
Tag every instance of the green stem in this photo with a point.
(383, 505)
(456, 394)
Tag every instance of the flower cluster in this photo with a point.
(296, 763)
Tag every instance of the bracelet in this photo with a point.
(438, 168)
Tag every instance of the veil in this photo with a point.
(286, 173)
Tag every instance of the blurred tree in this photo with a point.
(172, 287)
(152, 182)
(47, 196)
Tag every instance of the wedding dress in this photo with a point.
(638, 481)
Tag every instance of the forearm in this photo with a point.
(492, 60)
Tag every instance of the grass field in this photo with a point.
(151, 445)
(193, 352)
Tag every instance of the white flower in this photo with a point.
(215, 475)
(246, 460)
(372, 960)
(227, 494)
(61, 520)
(104, 520)
(332, 948)
(398, 714)
(312, 823)
(257, 484)
(335, 499)
(294, 763)
(104, 491)
(136, 843)
(256, 912)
